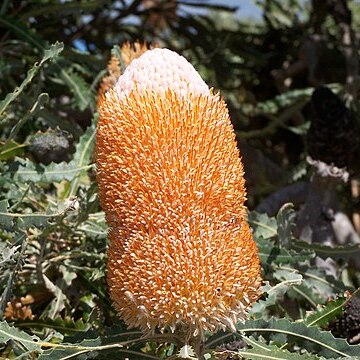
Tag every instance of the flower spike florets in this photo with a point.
(181, 253)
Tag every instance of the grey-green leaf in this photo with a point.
(7, 333)
(285, 221)
(262, 225)
(50, 53)
(310, 337)
(262, 351)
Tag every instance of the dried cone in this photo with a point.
(181, 254)
(333, 134)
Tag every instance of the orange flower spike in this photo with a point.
(181, 254)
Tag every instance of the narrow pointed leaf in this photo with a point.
(50, 53)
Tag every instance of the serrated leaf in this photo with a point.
(307, 293)
(273, 106)
(79, 88)
(187, 352)
(334, 252)
(285, 222)
(39, 103)
(65, 326)
(285, 100)
(65, 350)
(95, 226)
(5, 220)
(271, 254)
(323, 315)
(29, 342)
(11, 149)
(90, 348)
(310, 338)
(50, 53)
(318, 281)
(58, 303)
(5, 296)
(26, 170)
(83, 154)
(116, 51)
(287, 280)
(263, 351)
(10, 220)
(7, 253)
(263, 225)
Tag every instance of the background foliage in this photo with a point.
(53, 54)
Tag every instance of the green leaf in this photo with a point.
(5, 219)
(77, 84)
(187, 352)
(116, 51)
(271, 254)
(262, 225)
(334, 252)
(301, 129)
(83, 154)
(66, 326)
(95, 226)
(306, 292)
(5, 296)
(89, 348)
(79, 88)
(39, 103)
(287, 280)
(11, 149)
(10, 220)
(50, 53)
(273, 106)
(58, 303)
(25, 170)
(7, 333)
(7, 253)
(263, 351)
(23, 31)
(310, 338)
(285, 222)
(319, 282)
(323, 315)
(285, 100)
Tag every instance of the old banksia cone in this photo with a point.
(181, 254)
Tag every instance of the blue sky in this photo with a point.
(247, 8)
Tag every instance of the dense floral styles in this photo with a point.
(181, 254)
(159, 70)
(129, 52)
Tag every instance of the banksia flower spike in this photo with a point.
(181, 254)
(129, 52)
